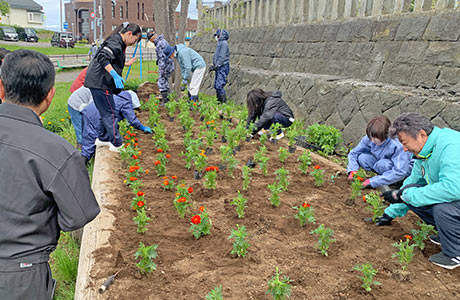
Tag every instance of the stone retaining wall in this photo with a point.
(344, 73)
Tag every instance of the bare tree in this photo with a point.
(181, 39)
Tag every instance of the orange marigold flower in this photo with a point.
(140, 203)
(132, 169)
(201, 208)
(126, 137)
(132, 141)
(317, 167)
(132, 178)
(182, 200)
(190, 190)
(159, 150)
(157, 162)
(174, 177)
(137, 167)
(166, 182)
(408, 236)
(360, 178)
(128, 132)
(196, 219)
(194, 104)
(147, 171)
(135, 156)
(140, 153)
(165, 177)
(133, 134)
(168, 155)
(177, 194)
(305, 204)
(135, 144)
(140, 194)
(364, 198)
(127, 145)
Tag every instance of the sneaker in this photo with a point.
(262, 132)
(115, 149)
(434, 238)
(444, 261)
(98, 142)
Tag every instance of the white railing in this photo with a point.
(252, 13)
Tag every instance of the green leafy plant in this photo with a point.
(375, 205)
(405, 252)
(240, 203)
(201, 161)
(282, 176)
(260, 158)
(182, 200)
(318, 174)
(420, 235)
(305, 213)
(283, 154)
(171, 107)
(275, 128)
(368, 276)
(325, 136)
(275, 189)
(240, 245)
(231, 164)
(324, 238)
(305, 160)
(279, 287)
(215, 294)
(141, 220)
(160, 168)
(263, 139)
(146, 255)
(210, 177)
(246, 177)
(200, 224)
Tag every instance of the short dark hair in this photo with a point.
(378, 127)
(3, 53)
(27, 77)
(411, 123)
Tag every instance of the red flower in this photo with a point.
(174, 177)
(317, 167)
(196, 219)
(364, 199)
(135, 144)
(132, 134)
(408, 236)
(305, 204)
(132, 169)
(127, 145)
(168, 155)
(190, 190)
(140, 194)
(182, 200)
(136, 139)
(140, 203)
(137, 167)
(166, 182)
(165, 177)
(157, 162)
(132, 178)
(126, 137)
(201, 208)
(159, 150)
(128, 132)
(360, 178)
(135, 156)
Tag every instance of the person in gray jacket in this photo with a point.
(266, 108)
(43, 180)
(75, 104)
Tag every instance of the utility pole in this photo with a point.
(94, 21)
(60, 13)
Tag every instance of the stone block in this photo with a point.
(451, 115)
(259, 35)
(288, 33)
(316, 50)
(336, 50)
(309, 33)
(330, 32)
(269, 33)
(385, 51)
(390, 99)
(334, 120)
(412, 52)
(362, 30)
(360, 51)
(290, 49)
(385, 30)
(449, 80)
(396, 74)
(438, 121)
(443, 27)
(348, 106)
(412, 103)
(424, 76)
(392, 113)
(443, 54)
(301, 49)
(355, 129)
(373, 107)
(432, 107)
(412, 28)
(345, 32)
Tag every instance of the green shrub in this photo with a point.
(325, 136)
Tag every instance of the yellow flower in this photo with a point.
(124, 181)
(43, 117)
(62, 120)
(67, 111)
(49, 123)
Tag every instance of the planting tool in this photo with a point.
(108, 282)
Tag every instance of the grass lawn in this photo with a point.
(49, 50)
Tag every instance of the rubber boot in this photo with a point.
(164, 98)
(223, 98)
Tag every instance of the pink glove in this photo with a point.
(350, 175)
(366, 183)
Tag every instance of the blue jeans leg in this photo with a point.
(75, 117)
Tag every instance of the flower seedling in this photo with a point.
(405, 252)
(139, 199)
(146, 255)
(368, 276)
(283, 181)
(318, 174)
(141, 220)
(240, 203)
(171, 107)
(134, 183)
(356, 187)
(210, 176)
(263, 139)
(201, 161)
(160, 168)
(167, 184)
(305, 161)
(275, 129)
(246, 177)
(182, 200)
(275, 189)
(231, 165)
(278, 287)
(324, 238)
(215, 294)
(419, 235)
(283, 154)
(375, 205)
(240, 245)
(305, 213)
(200, 224)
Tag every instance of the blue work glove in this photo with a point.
(145, 129)
(117, 79)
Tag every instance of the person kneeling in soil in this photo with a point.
(380, 154)
(432, 191)
(125, 103)
(75, 104)
(267, 108)
(44, 184)
(164, 62)
(192, 66)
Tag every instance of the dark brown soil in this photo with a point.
(189, 268)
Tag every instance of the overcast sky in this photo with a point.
(52, 19)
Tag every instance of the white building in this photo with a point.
(25, 13)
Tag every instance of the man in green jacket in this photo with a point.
(432, 191)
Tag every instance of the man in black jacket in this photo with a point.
(44, 184)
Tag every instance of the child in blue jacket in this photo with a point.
(380, 154)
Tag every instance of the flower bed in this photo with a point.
(189, 268)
